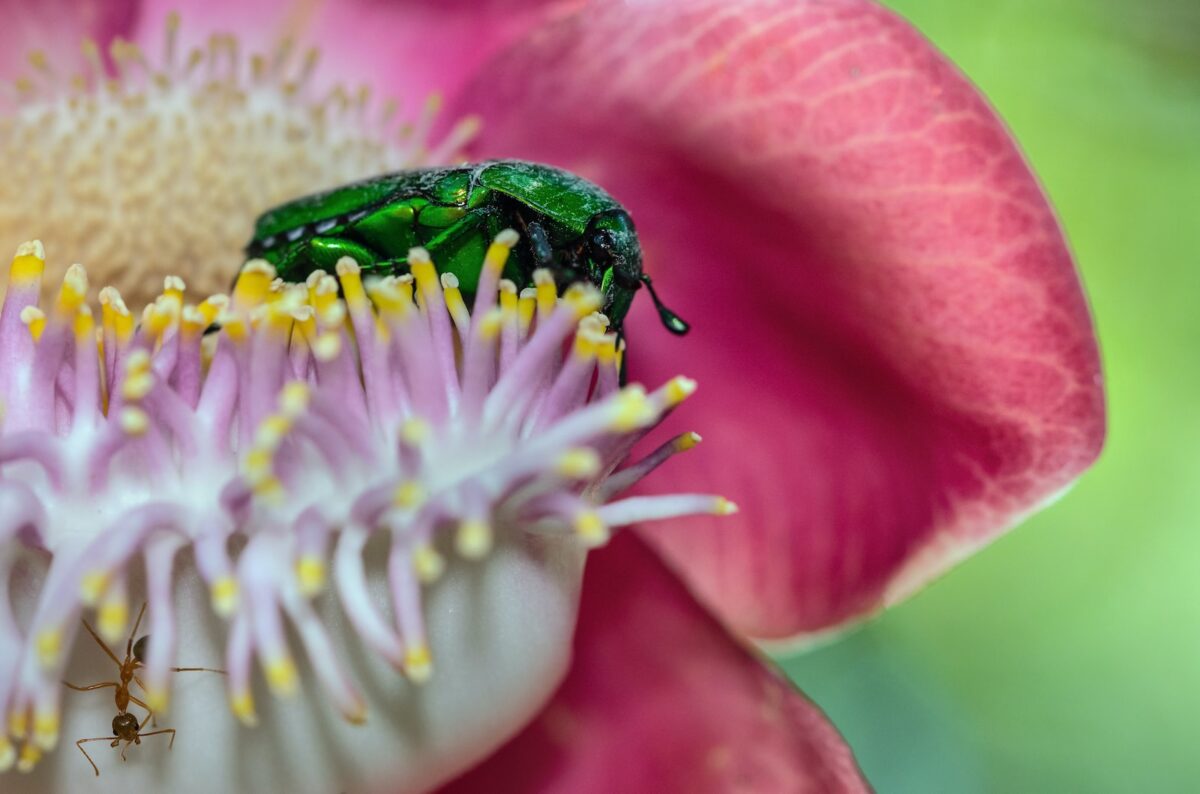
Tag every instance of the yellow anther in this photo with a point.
(28, 264)
(224, 595)
(586, 345)
(547, 292)
(269, 490)
(310, 573)
(408, 495)
(428, 563)
(234, 327)
(724, 507)
(282, 676)
(679, 389)
(591, 529)
(322, 292)
(45, 730)
(8, 754)
(113, 617)
(578, 464)
(388, 299)
(137, 362)
(454, 299)
(157, 698)
(73, 291)
(211, 308)
(423, 270)
(193, 323)
(34, 319)
(686, 441)
(473, 539)
(49, 646)
(173, 287)
(491, 324)
(271, 431)
(253, 284)
(415, 431)
(633, 410)
(30, 755)
(18, 723)
(583, 299)
(294, 398)
(93, 585)
(136, 386)
(258, 463)
(418, 664)
(134, 421)
(606, 350)
(85, 325)
(525, 308)
(356, 713)
(497, 253)
(350, 275)
(508, 298)
(327, 347)
(242, 706)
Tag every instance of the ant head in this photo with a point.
(125, 726)
(139, 648)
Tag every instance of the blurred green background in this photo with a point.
(1066, 657)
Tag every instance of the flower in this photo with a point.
(899, 357)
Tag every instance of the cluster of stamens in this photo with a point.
(317, 417)
(166, 161)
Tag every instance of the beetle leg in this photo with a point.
(539, 244)
(670, 320)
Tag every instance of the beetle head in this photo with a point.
(615, 259)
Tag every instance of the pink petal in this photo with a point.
(895, 357)
(402, 49)
(661, 699)
(57, 27)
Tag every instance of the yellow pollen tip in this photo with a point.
(578, 464)
(526, 305)
(310, 573)
(134, 421)
(349, 273)
(633, 410)
(724, 507)
(242, 706)
(679, 389)
(497, 253)
(30, 755)
(294, 398)
(428, 563)
(418, 665)
(591, 529)
(18, 723)
(492, 324)
(28, 264)
(45, 730)
(92, 586)
(687, 441)
(356, 714)
(73, 291)
(408, 495)
(8, 754)
(282, 676)
(49, 646)
(583, 299)
(473, 539)
(137, 386)
(35, 319)
(85, 324)
(224, 596)
(157, 698)
(586, 345)
(327, 347)
(415, 431)
(253, 284)
(113, 617)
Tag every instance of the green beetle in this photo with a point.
(567, 224)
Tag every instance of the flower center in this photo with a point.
(163, 164)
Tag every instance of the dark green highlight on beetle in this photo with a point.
(567, 225)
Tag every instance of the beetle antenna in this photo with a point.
(670, 320)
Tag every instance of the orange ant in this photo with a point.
(125, 726)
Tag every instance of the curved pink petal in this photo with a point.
(660, 698)
(57, 27)
(402, 49)
(895, 356)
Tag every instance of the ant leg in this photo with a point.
(149, 712)
(101, 642)
(90, 687)
(198, 670)
(80, 744)
(132, 634)
(171, 731)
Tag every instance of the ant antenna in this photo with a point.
(670, 320)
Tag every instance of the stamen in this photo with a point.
(171, 161)
(433, 426)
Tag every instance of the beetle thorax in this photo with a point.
(171, 161)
